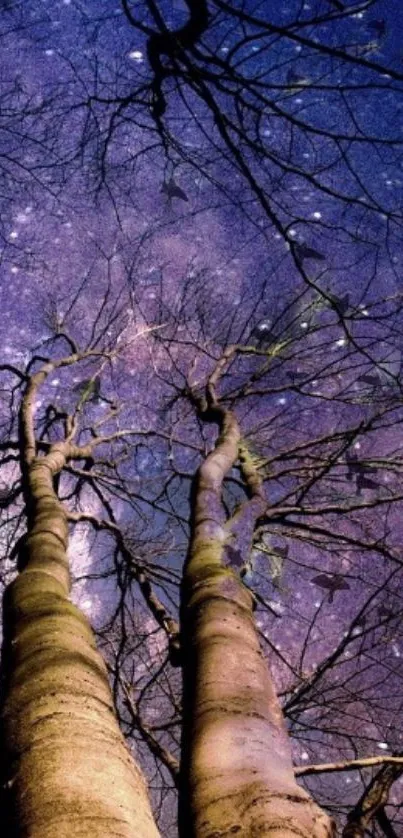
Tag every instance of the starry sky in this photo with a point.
(311, 158)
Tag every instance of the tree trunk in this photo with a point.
(66, 768)
(237, 773)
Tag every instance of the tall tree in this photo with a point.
(237, 773)
(65, 765)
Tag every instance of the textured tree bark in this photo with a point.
(66, 769)
(371, 804)
(237, 774)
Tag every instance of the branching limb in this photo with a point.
(162, 753)
(348, 765)
(375, 797)
(158, 610)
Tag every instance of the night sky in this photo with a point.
(85, 218)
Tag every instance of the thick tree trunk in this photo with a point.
(66, 769)
(237, 771)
